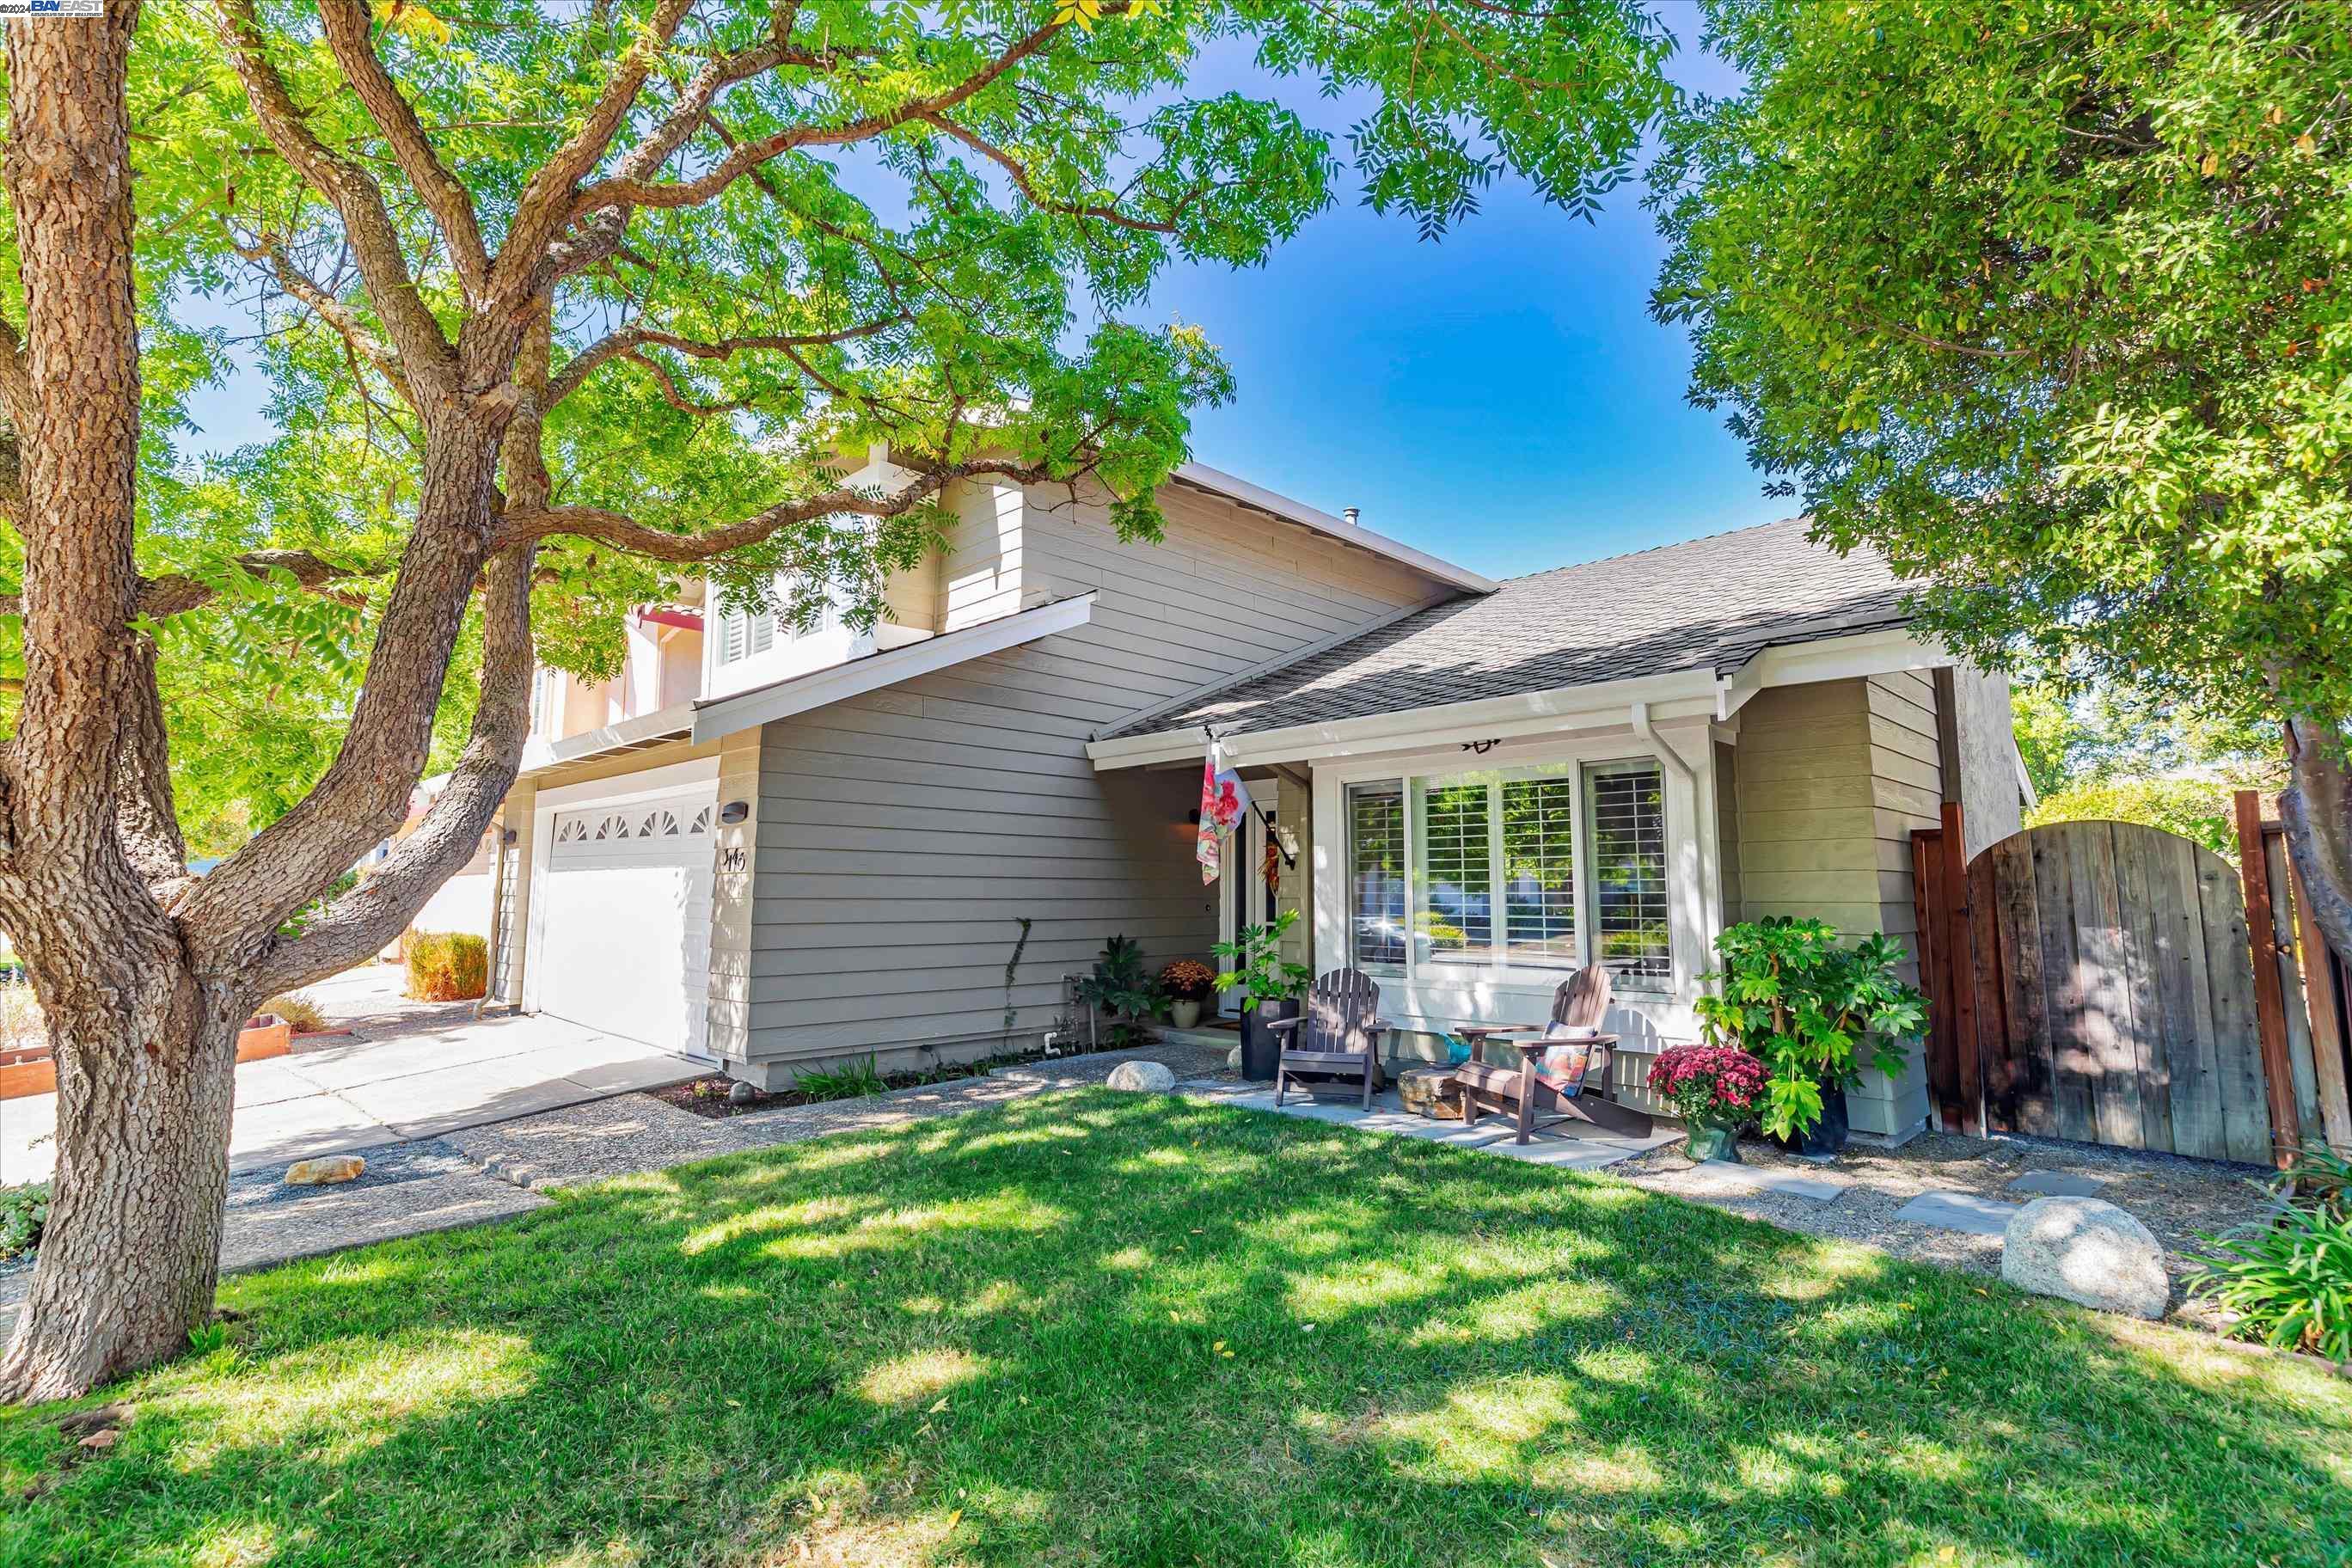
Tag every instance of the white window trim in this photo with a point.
(1497, 995)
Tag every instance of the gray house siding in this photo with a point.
(904, 836)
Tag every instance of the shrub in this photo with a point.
(1709, 1084)
(1119, 988)
(1187, 980)
(447, 966)
(300, 1010)
(2288, 1277)
(24, 1211)
(1806, 1006)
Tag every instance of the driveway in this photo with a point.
(401, 1070)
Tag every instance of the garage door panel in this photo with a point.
(625, 945)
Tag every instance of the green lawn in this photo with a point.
(1096, 1329)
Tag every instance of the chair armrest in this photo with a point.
(1281, 1026)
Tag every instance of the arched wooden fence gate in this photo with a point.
(2110, 983)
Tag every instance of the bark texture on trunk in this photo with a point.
(132, 1255)
(2316, 812)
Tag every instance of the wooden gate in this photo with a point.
(2102, 982)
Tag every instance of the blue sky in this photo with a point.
(1500, 397)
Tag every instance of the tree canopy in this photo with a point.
(2047, 300)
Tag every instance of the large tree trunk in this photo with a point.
(132, 1253)
(2316, 812)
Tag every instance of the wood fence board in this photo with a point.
(2018, 917)
(2299, 1056)
(2237, 1043)
(2270, 998)
(1935, 977)
(1995, 1063)
(2323, 1002)
(1964, 956)
(2199, 1127)
(2072, 1071)
(2105, 1024)
(2136, 885)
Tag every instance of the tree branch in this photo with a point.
(630, 190)
(1020, 173)
(322, 303)
(364, 920)
(625, 343)
(625, 532)
(424, 350)
(346, 24)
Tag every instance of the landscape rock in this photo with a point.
(326, 1171)
(2086, 1250)
(1149, 1077)
(1234, 1058)
(741, 1093)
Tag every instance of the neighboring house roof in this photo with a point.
(1199, 476)
(1713, 603)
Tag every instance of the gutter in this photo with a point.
(1638, 715)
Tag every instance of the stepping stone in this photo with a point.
(2057, 1184)
(1757, 1178)
(1960, 1211)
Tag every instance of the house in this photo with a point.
(774, 849)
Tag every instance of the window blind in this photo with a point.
(1539, 871)
(1376, 874)
(1453, 912)
(1627, 805)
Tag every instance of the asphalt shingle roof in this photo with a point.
(1710, 603)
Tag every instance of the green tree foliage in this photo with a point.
(2117, 756)
(928, 228)
(2047, 299)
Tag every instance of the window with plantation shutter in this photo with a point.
(1539, 871)
(1376, 901)
(1454, 901)
(1626, 801)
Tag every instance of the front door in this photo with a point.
(1242, 896)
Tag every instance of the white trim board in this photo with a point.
(1678, 694)
(716, 717)
(1233, 488)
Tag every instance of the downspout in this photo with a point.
(1657, 742)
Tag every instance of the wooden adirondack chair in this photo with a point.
(1335, 1035)
(1528, 1091)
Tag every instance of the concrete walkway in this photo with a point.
(402, 1070)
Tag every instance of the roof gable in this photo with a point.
(1712, 603)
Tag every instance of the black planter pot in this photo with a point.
(1261, 1047)
(1828, 1136)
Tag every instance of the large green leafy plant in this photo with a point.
(2286, 1279)
(1812, 1008)
(1255, 964)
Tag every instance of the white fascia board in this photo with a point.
(764, 705)
(660, 725)
(1679, 695)
(1682, 694)
(1236, 488)
(1840, 659)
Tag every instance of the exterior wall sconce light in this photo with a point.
(734, 811)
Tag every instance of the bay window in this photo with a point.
(1531, 870)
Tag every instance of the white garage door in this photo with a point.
(625, 946)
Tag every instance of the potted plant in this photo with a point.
(1270, 989)
(1186, 985)
(1119, 987)
(1815, 1012)
(1714, 1089)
